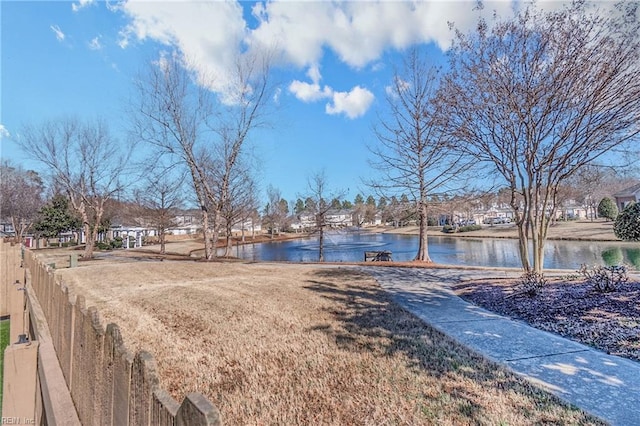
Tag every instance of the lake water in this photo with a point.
(350, 247)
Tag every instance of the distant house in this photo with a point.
(339, 218)
(627, 196)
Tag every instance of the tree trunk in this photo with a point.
(89, 241)
(208, 249)
(321, 244)
(228, 245)
(215, 235)
(423, 247)
(162, 241)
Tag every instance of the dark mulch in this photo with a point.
(569, 307)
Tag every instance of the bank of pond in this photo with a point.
(491, 252)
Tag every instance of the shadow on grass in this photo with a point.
(371, 321)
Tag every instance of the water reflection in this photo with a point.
(350, 247)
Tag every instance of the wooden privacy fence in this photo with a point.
(109, 384)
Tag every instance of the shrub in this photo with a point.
(605, 278)
(607, 209)
(450, 229)
(627, 224)
(116, 243)
(532, 282)
(468, 228)
(103, 246)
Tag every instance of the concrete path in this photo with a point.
(604, 385)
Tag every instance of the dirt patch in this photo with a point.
(303, 344)
(569, 307)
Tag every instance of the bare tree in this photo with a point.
(206, 134)
(413, 154)
(241, 201)
(20, 197)
(276, 210)
(540, 96)
(170, 112)
(84, 161)
(319, 204)
(159, 199)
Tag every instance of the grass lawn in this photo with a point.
(4, 342)
(302, 344)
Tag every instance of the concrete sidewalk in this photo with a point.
(604, 385)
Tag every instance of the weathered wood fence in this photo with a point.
(109, 385)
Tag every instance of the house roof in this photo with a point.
(631, 191)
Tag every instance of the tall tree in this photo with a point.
(206, 134)
(20, 197)
(413, 154)
(540, 96)
(85, 161)
(170, 112)
(241, 201)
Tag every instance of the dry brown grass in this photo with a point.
(301, 344)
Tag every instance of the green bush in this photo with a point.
(468, 228)
(449, 229)
(627, 224)
(432, 221)
(116, 243)
(103, 246)
(607, 209)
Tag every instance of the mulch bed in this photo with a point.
(569, 307)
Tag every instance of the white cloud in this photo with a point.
(58, 32)
(209, 35)
(360, 31)
(95, 44)
(4, 133)
(309, 92)
(81, 4)
(353, 104)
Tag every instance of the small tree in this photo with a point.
(318, 204)
(607, 209)
(56, 217)
(159, 200)
(275, 212)
(20, 197)
(627, 224)
(85, 162)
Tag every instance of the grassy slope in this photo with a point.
(4, 342)
(294, 344)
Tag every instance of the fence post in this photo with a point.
(196, 410)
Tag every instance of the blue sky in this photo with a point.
(79, 58)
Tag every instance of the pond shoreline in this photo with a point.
(581, 230)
